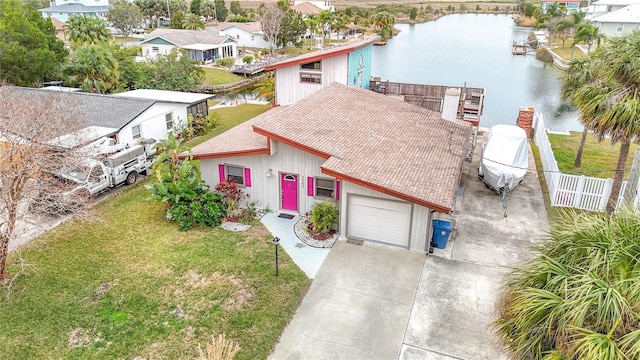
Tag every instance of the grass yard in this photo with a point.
(130, 285)
(213, 76)
(565, 52)
(596, 156)
(230, 117)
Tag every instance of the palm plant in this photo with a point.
(325, 18)
(193, 22)
(312, 24)
(94, 68)
(83, 29)
(612, 100)
(588, 34)
(580, 297)
(579, 74)
(267, 89)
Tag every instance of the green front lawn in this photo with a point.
(213, 76)
(596, 157)
(230, 117)
(130, 285)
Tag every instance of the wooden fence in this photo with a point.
(575, 191)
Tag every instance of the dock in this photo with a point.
(520, 48)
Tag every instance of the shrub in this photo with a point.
(324, 217)
(248, 59)
(198, 125)
(232, 196)
(226, 62)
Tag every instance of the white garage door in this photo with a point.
(380, 220)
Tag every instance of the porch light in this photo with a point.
(270, 172)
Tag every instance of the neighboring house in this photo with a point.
(322, 5)
(246, 34)
(301, 76)
(602, 7)
(200, 45)
(572, 5)
(148, 113)
(170, 110)
(59, 25)
(64, 9)
(386, 164)
(306, 8)
(619, 22)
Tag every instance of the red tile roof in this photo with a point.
(367, 138)
(306, 8)
(325, 53)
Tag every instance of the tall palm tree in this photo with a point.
(325, 18)
(588, 34)
(579, 298)
(93, 68)
(312, 24)
(83, 29)
(208, 9)
(579, 74)
(613, 100)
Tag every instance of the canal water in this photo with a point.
(476, 49)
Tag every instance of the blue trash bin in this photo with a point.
(441, 231)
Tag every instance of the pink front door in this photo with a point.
(289, 186)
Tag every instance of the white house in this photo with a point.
(619, 22)
(131, 115)
(601, 7)
(64, 9)
(200, 45)
(301, 76)
(246, 34)
(170, 109)
(322, 5)
(386, 164)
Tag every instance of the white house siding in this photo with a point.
(289, 89)
(153, 122)
(420, 218)
(611, 29)
(266, 189)
(243, 38)
(147, 50)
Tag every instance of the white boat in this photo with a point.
(505, 158)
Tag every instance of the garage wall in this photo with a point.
(420, 220)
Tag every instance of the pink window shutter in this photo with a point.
(221, 172)
(337, 189)
(247, 177)
(310, 186)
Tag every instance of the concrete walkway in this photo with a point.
(306, 257)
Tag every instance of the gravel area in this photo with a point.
(234, 226)
(303, 235)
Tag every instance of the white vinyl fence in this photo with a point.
(575, 191)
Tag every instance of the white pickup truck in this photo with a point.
(104, 168)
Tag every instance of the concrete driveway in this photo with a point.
(357, 307)
(378, 302)
(460, 286)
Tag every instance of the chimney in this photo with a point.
(525, 119)
(450, 105)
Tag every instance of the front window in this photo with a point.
(235, 174)
(155, 49)
(311, 66)
(325, 187)
(169, 120)
(136, 131)
(199, 108)
(620, 27)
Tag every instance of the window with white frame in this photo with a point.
(155, 49)
(311, 72)
(136, 131)
(311, 78)
(620, 27)
(235, 174)
(325, 187)
(168, 118)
